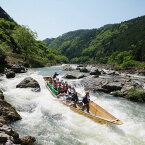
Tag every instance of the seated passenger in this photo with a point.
(61, 92)
(69, 90)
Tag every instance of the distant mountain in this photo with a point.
(109, 44)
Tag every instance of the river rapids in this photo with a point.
(52, 123)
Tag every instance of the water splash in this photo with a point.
(54, 124)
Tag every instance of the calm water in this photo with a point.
(54, 124)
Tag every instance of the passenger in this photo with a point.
(55, 84)
(75, 99)
(65, 87)
(69, 90)
(86, 100)
(61, 92)
(62, 83)
(55, 75)
(57, 80)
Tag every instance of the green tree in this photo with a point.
(25, 39)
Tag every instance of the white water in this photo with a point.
(54, 124)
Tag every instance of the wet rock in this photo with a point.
(137, 83)
(74, 75)
(94, 84)
(95, 72)
(126, 88)
(3, 138)
(18, 68)
(84, 69)
(11, 135)
(109, 72)
(28, 140)
(29, 83)
(10, 74)
(78, 68)
(141, 72)
(67, 68)
(8, 113)
(112, 86)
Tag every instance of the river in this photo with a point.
(52, 123)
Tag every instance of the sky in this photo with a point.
(52, 18)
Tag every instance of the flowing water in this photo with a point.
(54, 124)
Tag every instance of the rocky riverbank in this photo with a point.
(119, 83)
(8, 115)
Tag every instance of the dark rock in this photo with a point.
(9, 132)
(74, 75)
(67, 68)
(78, 68)
(112, 86)
(95, 71)
(29, 83)
(136, 83)
(10, 74)
(8, 113)
(141, 72)
(84, 69)
(18, 68)
(3, 137)
(28, 140)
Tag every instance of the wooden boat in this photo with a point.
(97, 113)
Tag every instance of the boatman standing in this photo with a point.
(55, 75)
(86, 100)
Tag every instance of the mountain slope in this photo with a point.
(103, 44)
(5, 16)
(19, 44)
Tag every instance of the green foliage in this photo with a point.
(118, 93)
(118, 44)
(136, 94)
(20, 42)
(129, 63)
(25, 39)
(82, 59)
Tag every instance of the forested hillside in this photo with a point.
(19, 44)
(122, 44)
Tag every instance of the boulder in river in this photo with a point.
(10, 74)
(8, 113)
(18, 68)
(10, 137)
(29, 83)
(74, 75)
(84, 69)
(112, 86)
(67, 67)
(95, 72)
(28, 140)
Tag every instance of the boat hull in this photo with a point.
(97, 113)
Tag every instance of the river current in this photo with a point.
(52, 123)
